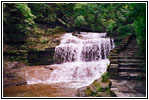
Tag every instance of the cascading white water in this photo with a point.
(82, 58)
(89, 47)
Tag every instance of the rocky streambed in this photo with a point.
(69, 74)
(16, 76)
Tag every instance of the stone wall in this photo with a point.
(16, 55)
(45, 57)
(35, 57)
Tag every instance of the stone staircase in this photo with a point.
(128, 78)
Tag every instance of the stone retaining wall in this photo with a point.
(41, 57)
(30, 57)
(16, 55)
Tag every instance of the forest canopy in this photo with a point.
(117, 19)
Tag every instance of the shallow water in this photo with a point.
(40, 90)
(39, 87)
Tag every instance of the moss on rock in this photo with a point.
(99, 88)
(105, 77)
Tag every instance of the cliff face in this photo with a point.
(37, 49)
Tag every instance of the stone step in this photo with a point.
(129, 94)
(128, 64)
(131, 70)
(129, 61)
(114, 66)
(126, 86)
(132, 44)
(132, 47)
(126, 57)
(135, 53)
(114, 61)
(129, 77)
(130, 74)
(127, 50)
(131, 67)
(136, 46)
(125, 89)
(114, 89)
(131, 51)
(114, 54)
(131, 56)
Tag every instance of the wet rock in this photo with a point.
(81, 92)
(10, 75)
(77, 33)
(8, 84)
(102, 94)
(48, 68)
(96, 89)
(21, 83)
(141, 87)
(124, 89)
(13, 65)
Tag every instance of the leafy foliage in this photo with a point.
(18, 21)
(129, 19)
(140, 25)
(44, 12)
(117, 19)
(105, 77)
(80, 21)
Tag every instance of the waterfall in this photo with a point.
(80, 58)
(89, 47)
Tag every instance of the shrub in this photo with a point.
(105, 77)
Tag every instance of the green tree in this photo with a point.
(44, 13)
(139, 16)
(18, 21)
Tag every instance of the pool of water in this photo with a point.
(40, 90)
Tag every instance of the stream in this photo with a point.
(79, 60)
